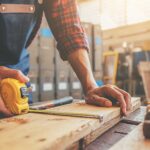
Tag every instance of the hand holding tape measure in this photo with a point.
(15, 90)
(10, 73)
(15, 95)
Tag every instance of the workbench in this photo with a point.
(49, 132)
(112, 137)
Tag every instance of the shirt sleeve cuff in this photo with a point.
(71, 43)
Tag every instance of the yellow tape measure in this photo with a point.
(14, 95)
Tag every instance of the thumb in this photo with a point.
(3, 109)
(12, 73)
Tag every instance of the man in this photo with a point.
(17, 30)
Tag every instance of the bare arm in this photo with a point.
(64, 22)
(79, 61)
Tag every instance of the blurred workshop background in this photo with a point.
(119, 36)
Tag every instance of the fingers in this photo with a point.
(12, 73)
(111, 91)
(99, 101)
(127, 97)
(4, 110)
(98, 96)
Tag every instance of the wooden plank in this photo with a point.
(105, 126)
(130, 33)
(94, 135)
(132, 30)
(134, 141)
(41, 132)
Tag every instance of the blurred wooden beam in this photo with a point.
(130, 33)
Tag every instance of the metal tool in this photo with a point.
(70, 114)
(53, 103)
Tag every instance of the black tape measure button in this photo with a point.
(24, 92)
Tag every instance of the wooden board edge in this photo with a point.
(82, 143)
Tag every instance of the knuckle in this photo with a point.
(105, 87)
(108, 85)
(2, 67)
(17, 73)
(127, 95)
(103, 103)
(120, 96)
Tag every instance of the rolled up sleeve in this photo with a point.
(64, 21)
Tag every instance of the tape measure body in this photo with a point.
(14, 95)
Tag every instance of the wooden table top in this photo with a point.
(41, 132)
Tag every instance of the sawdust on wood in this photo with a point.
(17, 120)
(56, 119)
(27, 136)
(1, 129)
(42, 140)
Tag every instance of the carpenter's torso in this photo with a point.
(17, 30)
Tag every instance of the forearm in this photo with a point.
(80, 63)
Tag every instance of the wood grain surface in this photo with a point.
(48, 132)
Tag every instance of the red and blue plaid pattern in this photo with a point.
(64, 21)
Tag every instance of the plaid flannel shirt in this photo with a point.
(63, 19)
